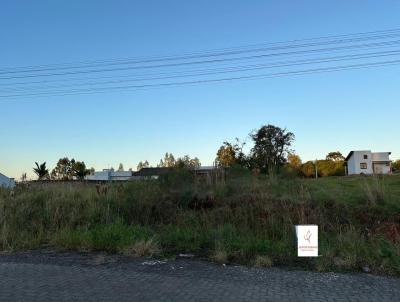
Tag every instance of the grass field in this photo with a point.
(246, 219)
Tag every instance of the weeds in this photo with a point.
(220, 255)
(142, 248)
(263, 261)
(375, 190)
(246, 219)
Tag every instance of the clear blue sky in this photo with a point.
(332, 111)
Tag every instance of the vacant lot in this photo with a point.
(244, 219)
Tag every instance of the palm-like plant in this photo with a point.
(41, 171)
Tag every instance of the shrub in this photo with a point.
(263, 261)
(142, 248)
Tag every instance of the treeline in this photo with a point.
(169, 161)
(332, 165)
(67, 169)
(272, 153)
(271, 147)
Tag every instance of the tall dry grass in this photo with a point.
(246, 219)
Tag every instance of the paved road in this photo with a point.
(49, 276)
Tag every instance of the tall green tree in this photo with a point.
(271, 146)
(121, 167)
(226, 155)
(231, 153)
(168, 161)
(41, 171)
(294, 160)
(335, 156)
(187, 162)
(63, 169)
(79, 170)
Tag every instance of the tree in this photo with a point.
(168, 162)
(41, 171)
(294, 164)
(294, 161)
(335, 156)
(330, 167)
(271, 145)
(396, 165)
(142, 165)
(121, 167)
(308, 169)
(229, 154)
(226, 155)
(324, 168)
(79, 170)
(63, 169)
(187, 162)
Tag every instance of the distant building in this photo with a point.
(109, 175)
(151, 173)
(367, 162)
(205, 170)
(112, 175)
(6, 181)
(144, 173)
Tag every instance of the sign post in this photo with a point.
(307, 240)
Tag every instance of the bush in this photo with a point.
(324, 167)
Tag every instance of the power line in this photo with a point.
(216, 62)
(168, 84)
(219, 52)
(300, 52)
(208, 72)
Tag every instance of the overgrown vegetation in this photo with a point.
(246, 219)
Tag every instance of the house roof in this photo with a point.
(1, 174)
(152, 171)
(349, 155)
(9, 178)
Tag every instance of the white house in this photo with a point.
(109, 175)
(6, 181)
(367, 162)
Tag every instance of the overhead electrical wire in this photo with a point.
(250, 77)
(221, 52)
(207, 72)
(241, 63)
(358, 46)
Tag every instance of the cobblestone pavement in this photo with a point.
(50, 276)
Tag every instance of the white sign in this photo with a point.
(307, 240)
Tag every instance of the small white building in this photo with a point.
(367, 162)
(109, 175)
(6, 181)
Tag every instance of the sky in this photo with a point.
(347, 110)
